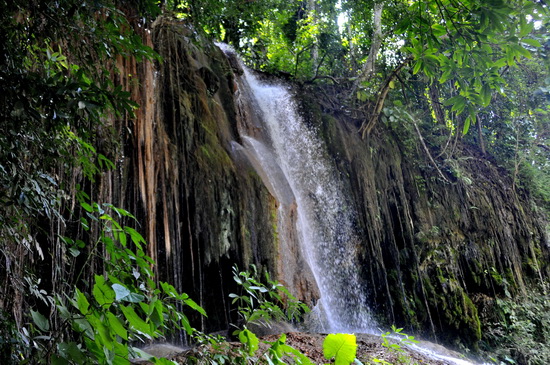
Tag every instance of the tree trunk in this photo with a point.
(312, 10)
(370, 66)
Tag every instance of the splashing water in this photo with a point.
(325, 217)
(325, 224)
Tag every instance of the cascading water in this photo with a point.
(295, 164)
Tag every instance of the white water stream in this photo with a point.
(325, 219)
(297, 170)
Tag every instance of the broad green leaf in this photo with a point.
(71, 351)
(532, 42)
(120, 291)
(191, 303)
(121, 354)
(63, 311)
(82, 303)
(135, 321)
(81, 325)
(156, 314)
(466, 126)
(486, 93)
(342, 347)
(105, 337)
(250, 340)
(117, 326)
(40, 321)
(104, 295)
(134, 298)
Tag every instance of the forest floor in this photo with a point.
(369, 351)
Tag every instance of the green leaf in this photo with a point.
(71, 351)
(403, 25)
(250, 340)
(105, 338)
(117, 326)
(525, 27)
(342, 347)
(74, 251)
(519, 50)
(135, 321)
(134, 298)
(63, 311)
(445, 76)
(186, 325)
(193, 305)
(459, 104)
(486, 94)
(532, 42)
(299, 358)
(362, 95)
(438, 30)
(466, 126)
(40, 321)
(56, 360)
(81, 325)
(417, 66)
(137, 238)
(82, 303)
(86, 207)
(120, 291)
(102, 293)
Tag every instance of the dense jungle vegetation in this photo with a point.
(77, 279)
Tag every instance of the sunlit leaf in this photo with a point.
(342, 347)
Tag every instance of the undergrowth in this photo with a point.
(518, 330)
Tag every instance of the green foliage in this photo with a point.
(58, 92)
(468, 43)
(279, 349)
(518, 330)
(120, 307)
(342, 347)
(262, 303)
(394, 341)
(402, 338)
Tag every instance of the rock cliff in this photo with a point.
(436, 250)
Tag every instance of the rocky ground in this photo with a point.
(369, 351)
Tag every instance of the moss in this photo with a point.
(472, 318)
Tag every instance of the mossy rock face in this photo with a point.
(428, 246)
(431, 246)
(205, 212)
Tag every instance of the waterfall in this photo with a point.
(293, 162)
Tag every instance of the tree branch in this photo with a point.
(369, 124)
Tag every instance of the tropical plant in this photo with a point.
(263, 303)
(340, 346)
